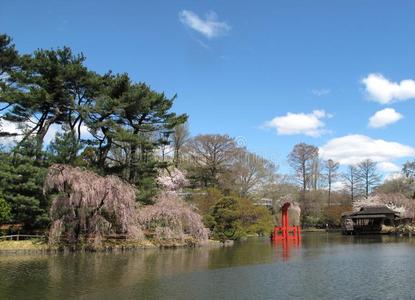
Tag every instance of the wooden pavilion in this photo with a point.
(369, 220)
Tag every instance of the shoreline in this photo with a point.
(40, 247)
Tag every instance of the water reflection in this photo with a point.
(320, 264)
(284, 247)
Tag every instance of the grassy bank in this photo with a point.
(39, 246)
(313, 229)
(24, 246)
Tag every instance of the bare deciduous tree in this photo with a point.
(301, 160)
(331, 168)
(251, 171)
(212, 154)
(408, 170)
(399, 184)
(351, 182)
(180, 137)
(315, 177)
(367, 176)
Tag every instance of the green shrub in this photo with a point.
(225, 219)
(234, 217)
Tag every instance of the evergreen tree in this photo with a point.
(50, 87)
(8, 55)
(21, 182)
(223, 219)
(8, 61)
(5, 211)
(64, 148)
(126, 121)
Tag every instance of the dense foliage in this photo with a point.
(223, 219)
(55, 110)
(233, 217)
(107, 123)
(5, 211)
(21, 181)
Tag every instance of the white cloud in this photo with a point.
(11, 127)
(394, 176)
(338, 186)
(309, 124)
(50, 135)
(388, 167)
(320, 92)
(210, 27)
(352, 149)
(384, 91)
(384, 117)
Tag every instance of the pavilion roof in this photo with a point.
(374, 210)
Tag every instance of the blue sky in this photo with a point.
(239, 67)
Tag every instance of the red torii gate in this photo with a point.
(286, 232)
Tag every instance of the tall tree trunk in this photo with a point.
(43, 130)
(329, 180)
(304, 186)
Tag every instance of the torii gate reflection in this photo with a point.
(287, 246)
(285, 235)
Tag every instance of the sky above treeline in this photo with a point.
(336, 74)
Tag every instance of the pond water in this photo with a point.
(323, 266)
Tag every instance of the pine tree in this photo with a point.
(21, 182)
(126, 121)
(50, 87)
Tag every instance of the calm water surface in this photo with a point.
(324, 266)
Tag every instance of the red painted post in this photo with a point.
(290, 236)
(284, 213)
(287, 232)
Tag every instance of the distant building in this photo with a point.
(370, 220)
(264, 202)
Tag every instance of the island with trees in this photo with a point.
(94, 161)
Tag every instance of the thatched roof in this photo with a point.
(375, 210)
